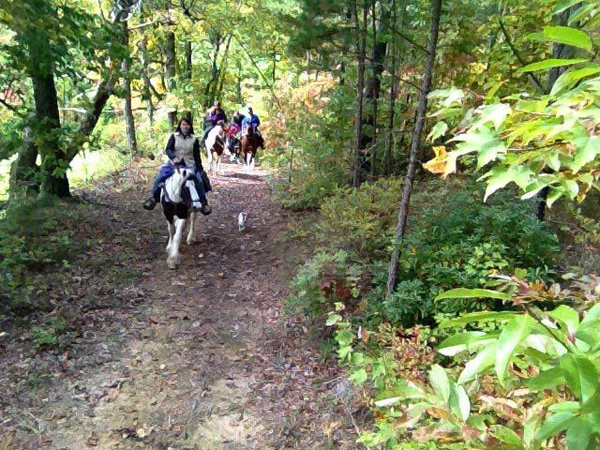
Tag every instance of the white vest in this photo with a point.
(184, 147)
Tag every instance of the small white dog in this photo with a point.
(242, 221)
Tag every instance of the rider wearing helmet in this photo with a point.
(182, 149)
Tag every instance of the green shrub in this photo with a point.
(309, 187)
(361, 221)
(32, 237)
(460, 242)
(324, 280)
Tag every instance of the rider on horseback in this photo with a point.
(214, 116)
(238, 118)
(253, 121)
(182, 149)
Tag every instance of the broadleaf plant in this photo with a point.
(544, 141)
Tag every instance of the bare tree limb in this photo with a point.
(534, 80)
(12, 108)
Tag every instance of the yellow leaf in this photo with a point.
(438, 164)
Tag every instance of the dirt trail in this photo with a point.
(198, 358)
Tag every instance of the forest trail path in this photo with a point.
(197, 358)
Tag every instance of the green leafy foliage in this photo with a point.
(361, 221)
(539, 372)
(29, 245)
(462, 242)
(547, 141)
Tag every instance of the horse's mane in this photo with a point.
(173, 186)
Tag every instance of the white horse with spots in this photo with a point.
(215, 144)
(178, 212)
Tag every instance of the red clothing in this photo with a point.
(232, 129)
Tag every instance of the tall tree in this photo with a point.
(170, 70)
(361, 49)
(148, 88)
(373, 84)
(414, 146)
(127, 110)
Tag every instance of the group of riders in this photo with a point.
(183, 150)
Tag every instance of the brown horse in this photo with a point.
(250, 143)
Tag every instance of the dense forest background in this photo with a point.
(444, 155)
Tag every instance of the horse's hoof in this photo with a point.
(172, 264)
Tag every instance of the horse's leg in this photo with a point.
(218, 164)
(252, 161)
(248, 158)
(210, 158)
(173, 259)
(170, 230)
(191, 237)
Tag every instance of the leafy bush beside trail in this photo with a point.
(33, 236)
(454, 240)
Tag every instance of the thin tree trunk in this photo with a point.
(188, 60)
(356, 176)
(414, 146)
(170, 70)
(375, 94)
(345, 46)
(373, 86)
(387, 160)
(223, 69)
(128, 112)
(90, 119)
(147, 83)
(238, 84)
(208, 90)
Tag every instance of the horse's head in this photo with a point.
(175, 182)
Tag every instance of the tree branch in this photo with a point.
(534, 80)
(12, 108)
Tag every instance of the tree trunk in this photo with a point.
(361, 29)
(24, 170)
(147, 83)
(373, 86)
(223, 69)
(209, 91)
(238, 84)
(414, 146)
(188, 60)
(375, 95)
(387, 160)
(345, 46)
(103, 92)
(46, 130)
(128, 112)
(170, 69)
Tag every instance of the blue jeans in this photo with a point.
(164, 174)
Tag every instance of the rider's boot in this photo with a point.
(149, 204)
(205, 209)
